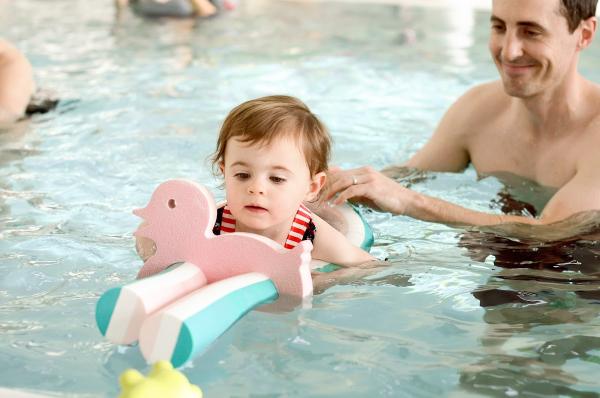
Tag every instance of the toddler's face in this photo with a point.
(265, 184)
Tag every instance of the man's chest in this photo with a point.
(549, 163)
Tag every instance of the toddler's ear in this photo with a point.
(222, 167)
(316, 184)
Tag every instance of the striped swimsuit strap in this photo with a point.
(301, 222)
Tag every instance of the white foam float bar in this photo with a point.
(192, 323)
(120, 311)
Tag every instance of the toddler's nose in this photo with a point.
(255, 189)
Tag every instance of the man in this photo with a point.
(16, 83)
(540, 121)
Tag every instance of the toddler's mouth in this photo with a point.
(256, 209)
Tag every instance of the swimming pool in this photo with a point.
(455, 314)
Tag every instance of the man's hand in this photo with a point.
(370, 187)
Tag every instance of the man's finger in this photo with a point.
(338, 184)
(348, 194)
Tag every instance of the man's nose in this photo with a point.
(512, 48)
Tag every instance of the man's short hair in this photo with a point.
(576, 11)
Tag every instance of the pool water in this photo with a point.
(456, 313)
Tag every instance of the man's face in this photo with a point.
(531, 45)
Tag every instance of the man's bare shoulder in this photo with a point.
(587, 141)
(485, 97)
(479, 107)
(594, 89)
(591, 112)
(591, 137)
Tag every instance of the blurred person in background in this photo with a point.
(174, 8)
(16, 83)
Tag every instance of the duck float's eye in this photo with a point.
(172, 204)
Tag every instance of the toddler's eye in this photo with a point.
(242, 176)
(277, 180)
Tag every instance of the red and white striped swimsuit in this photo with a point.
(302, 227)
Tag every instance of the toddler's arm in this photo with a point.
(333, 247)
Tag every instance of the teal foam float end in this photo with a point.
(105, 308)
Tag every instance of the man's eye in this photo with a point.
(532, 33)
(498, 28)
(277, 180)
(242, 176)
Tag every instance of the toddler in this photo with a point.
(272, 153)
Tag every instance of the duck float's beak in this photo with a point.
(142, 213)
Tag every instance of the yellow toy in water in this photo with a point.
(162, 382)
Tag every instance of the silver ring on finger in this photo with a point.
(354, 180)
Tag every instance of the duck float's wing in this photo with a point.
(241, 253)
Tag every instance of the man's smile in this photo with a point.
(516, 68)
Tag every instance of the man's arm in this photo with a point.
(384, 194)
(580, 194)
(447, 149)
